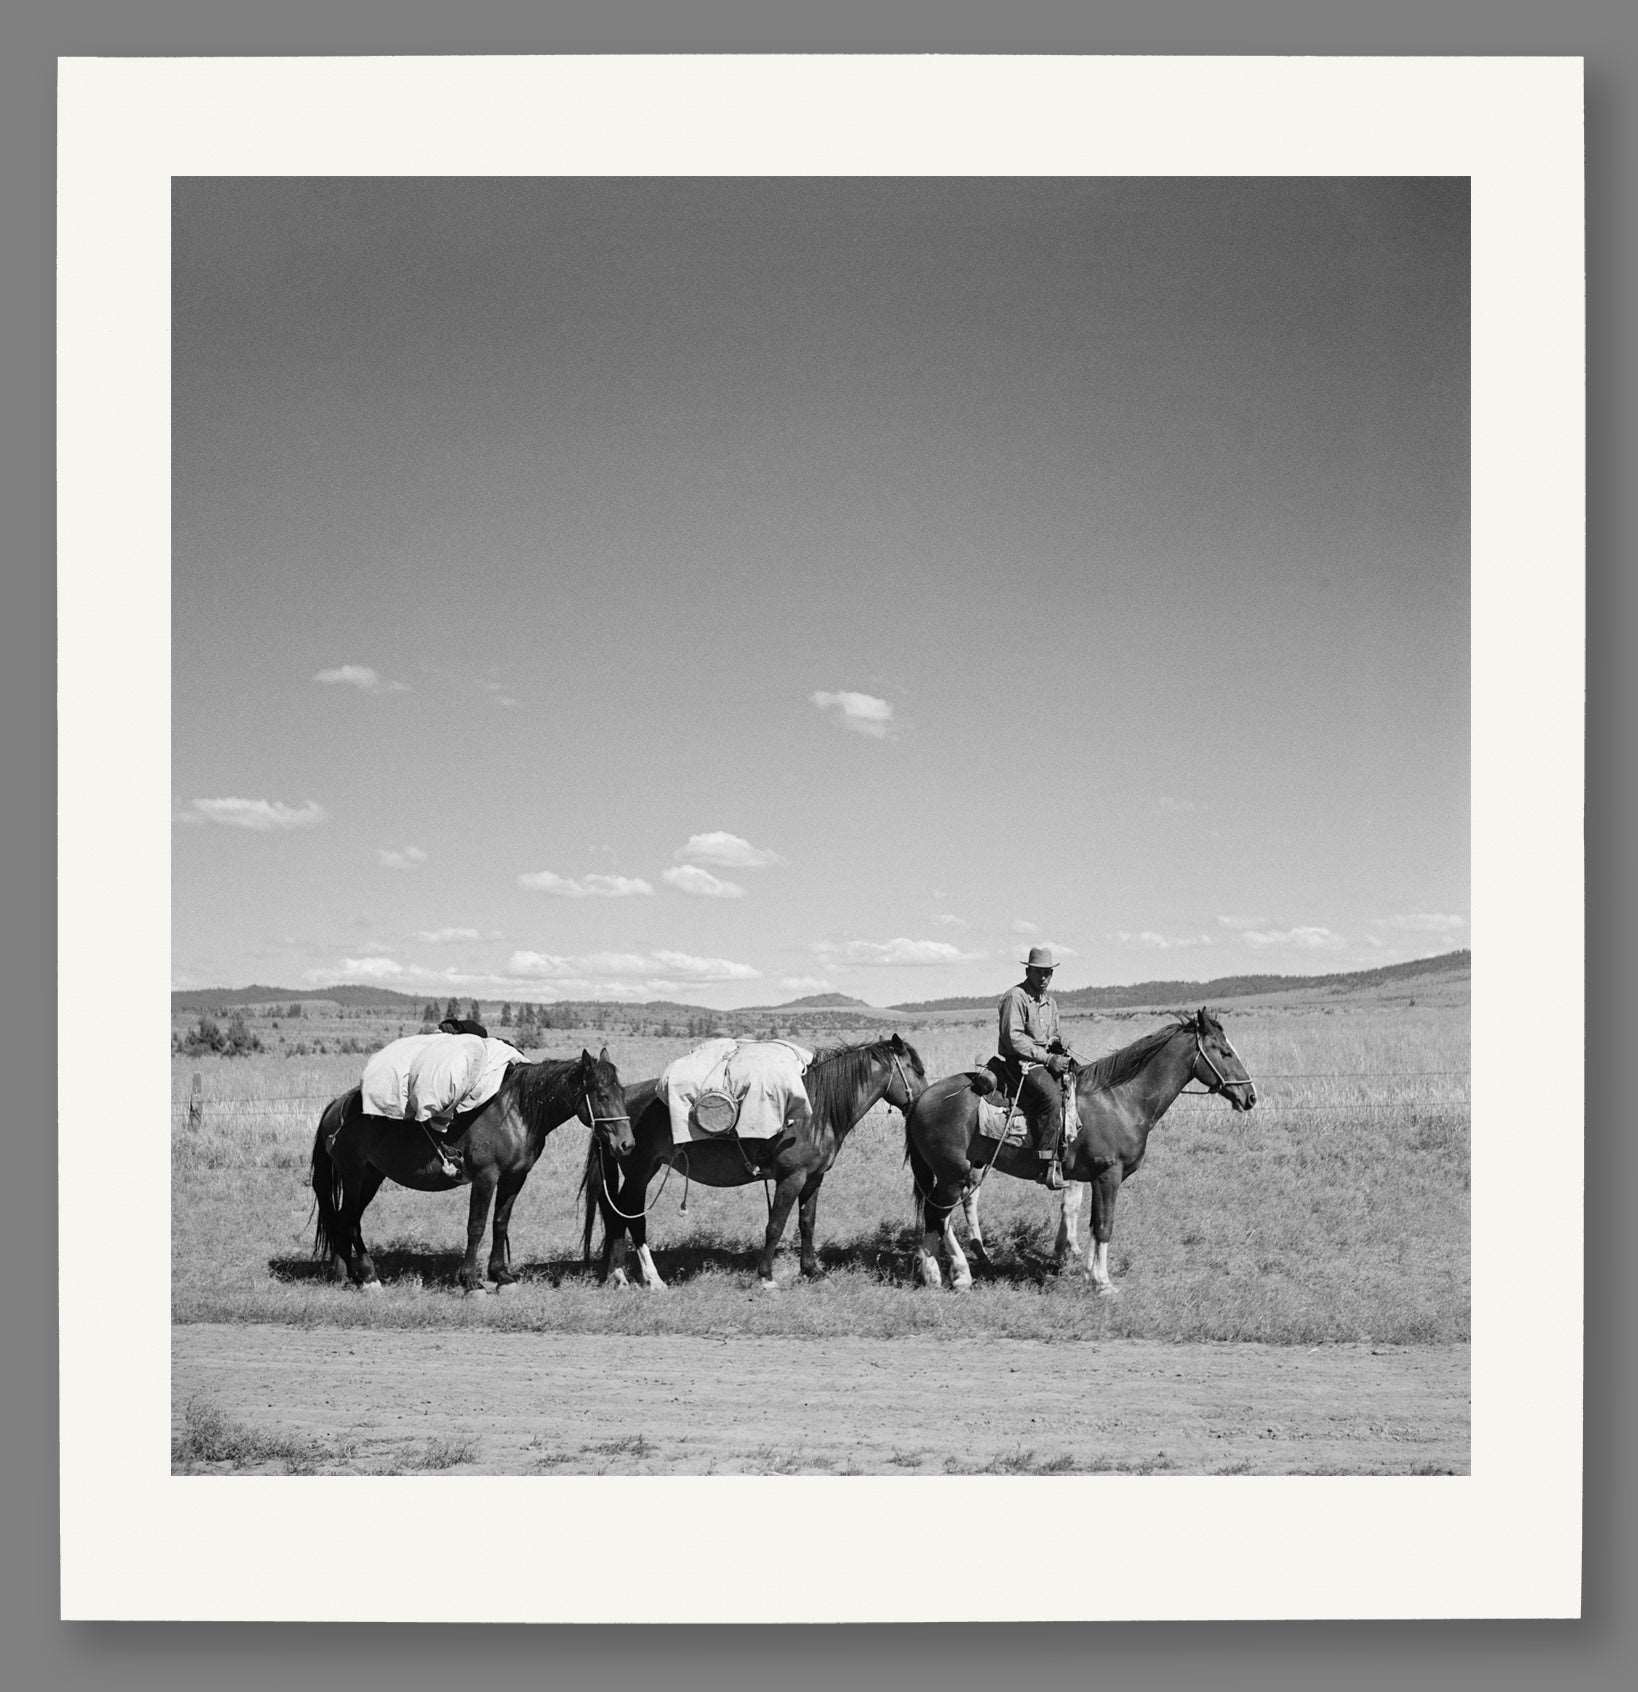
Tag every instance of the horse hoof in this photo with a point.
(768, 1286)
(1107, 1290)
(961, 1283)
(478, 1292)
(370, 1287)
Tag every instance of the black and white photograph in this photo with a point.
(886, 713)
(820, 826)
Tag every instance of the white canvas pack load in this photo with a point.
(433, 1077)
(751, 1088)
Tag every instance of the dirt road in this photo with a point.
(356, 1400)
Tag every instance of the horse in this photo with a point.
(1119, 1099)
(497, 1145)
(842, 1083)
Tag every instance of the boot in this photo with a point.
(1052, 1170)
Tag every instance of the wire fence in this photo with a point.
(1259, 1079)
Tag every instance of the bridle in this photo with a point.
(592, 1119)
(1223, 1083)
(904, 1082)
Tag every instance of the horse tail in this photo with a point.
(327, 1239)
(593, 1184)
(921, 1172)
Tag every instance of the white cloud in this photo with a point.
(1021, 927)
(951, 921)
(1162, 942)
(539, 966)
(729, 850)
(874, 953)
(259, 814)
(371, 969)
(441, 936)
(805, 984)
(1308, 939)
(648, 975)
(1424, 922)
(706, 969)
(690, 878)
(861, 712)
(362, 677)
(405, 857)
(587, 887)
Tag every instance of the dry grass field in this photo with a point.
(1333, 1216)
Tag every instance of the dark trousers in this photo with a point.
(1040, 1100)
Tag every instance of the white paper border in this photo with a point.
(138, 1543)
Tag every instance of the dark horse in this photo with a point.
(497, 1145)
(842, 1084)
(1119, 1099)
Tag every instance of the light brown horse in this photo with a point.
(497, 1145)
(1119, 1098)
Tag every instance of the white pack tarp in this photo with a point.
(765, 1076)
(428, 1077)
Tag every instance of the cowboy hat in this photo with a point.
(1040, 957)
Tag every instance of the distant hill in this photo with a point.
(840, 1010)
(824, 1001)
(1223, 987)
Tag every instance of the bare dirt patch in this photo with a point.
(368, 1401)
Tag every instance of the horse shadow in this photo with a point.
(392, 1263)
(886, 1255)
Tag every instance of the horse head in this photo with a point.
(1216, 1065)
(605, 1103)
(906, 1077)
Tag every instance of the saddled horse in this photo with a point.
(842, 1083)
(1119, 1098)
(497, 1145)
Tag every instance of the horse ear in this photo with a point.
(898, 1041)
(585, 1058)
(603, 1056)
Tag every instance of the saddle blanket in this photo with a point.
(764, 1077)
(992, 1121)
(432, 1077)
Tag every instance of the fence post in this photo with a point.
(196, 1105)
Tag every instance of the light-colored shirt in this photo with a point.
(1027, 1025)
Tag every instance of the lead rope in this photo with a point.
(1006, 1127)
(635, 1215)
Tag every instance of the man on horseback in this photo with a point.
(1033, 1061)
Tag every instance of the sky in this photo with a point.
(733, 590)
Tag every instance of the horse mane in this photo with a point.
(535, 1086)
(836, 1073)
(1118, 1066)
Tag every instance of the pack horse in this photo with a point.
(496, 1145)
(841, 1085)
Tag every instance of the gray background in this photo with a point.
(40, 1651)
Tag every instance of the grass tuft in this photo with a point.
(211, 1439)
